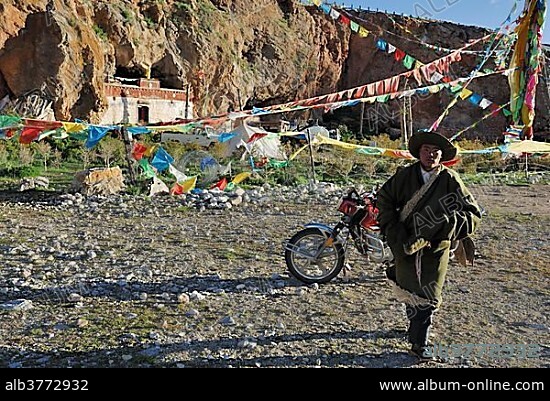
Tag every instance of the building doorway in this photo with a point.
(143, 115)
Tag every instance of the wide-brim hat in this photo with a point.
(432, 138)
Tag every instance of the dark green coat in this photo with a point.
(447, 212)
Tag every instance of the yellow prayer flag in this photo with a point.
(241, 177)
(189, 184)
(398, 154)
(295, 154)
(73, 127)
(316, 2)
(369, 100)
(149, 152)
(465, 94)
(329, 141)
(418, 64)
(529, 146)
(363, 32)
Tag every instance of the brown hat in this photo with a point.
(432, 138)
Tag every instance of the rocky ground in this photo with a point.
(136, 282)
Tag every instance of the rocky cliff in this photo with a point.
(232, 53)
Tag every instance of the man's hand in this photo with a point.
(413, 245)
(448, 228)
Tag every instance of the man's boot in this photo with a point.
(420, 321)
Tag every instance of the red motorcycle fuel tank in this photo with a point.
(370, 217)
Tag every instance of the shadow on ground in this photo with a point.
(166, 355)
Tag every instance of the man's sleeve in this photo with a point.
(388, 216)
(468, 215)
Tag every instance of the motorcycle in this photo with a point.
(317, 253)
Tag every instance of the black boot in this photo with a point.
(391, 272)
(420, 320)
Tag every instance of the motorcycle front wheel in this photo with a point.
(301, 249)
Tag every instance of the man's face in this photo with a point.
(430, 156)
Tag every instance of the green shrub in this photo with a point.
(101, 34)
(19, 171)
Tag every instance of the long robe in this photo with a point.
(447, 212)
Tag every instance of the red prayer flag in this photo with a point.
(221, 184)
(256, 136)
(360, 91)
(399, 55)
(29, 134)
(138, 151)
(495, 109)
(42, 125)
(177, 189)
(344, 19)
(450, 163)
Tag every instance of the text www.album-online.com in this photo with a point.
(482, 385)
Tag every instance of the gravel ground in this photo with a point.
(136, 282)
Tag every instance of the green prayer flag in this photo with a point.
(147, 169)
(409, 61)
(81, 136)
(9, 121)
(278, 164)
(370, 151)
(382, 98)
(456, 88)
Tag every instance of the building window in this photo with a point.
(143, 114)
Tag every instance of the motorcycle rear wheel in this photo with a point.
(325, 268)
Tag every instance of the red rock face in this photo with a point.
(231, 54)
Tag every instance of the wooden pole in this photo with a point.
(311, 154)
(239, 99)
(403, 122)
(127, 138)
(362, 119)
(526, 166)
(376, 117)
(411, 127)
(187, 102)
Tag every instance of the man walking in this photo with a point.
(423, 209)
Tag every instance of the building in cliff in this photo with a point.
(143, 101)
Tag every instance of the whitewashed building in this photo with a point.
(145, 103)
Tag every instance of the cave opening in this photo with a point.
(166, 70)
(134, 72)
(168, 77)
(167, 81)
(4, 88)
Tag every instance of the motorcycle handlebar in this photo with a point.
(360, 198)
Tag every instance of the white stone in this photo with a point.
(74, 297)
(183, 298)
(237, 201)
(17, 304)
(195, 295)
(192, 313)
(301, 291)
(227, 321)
